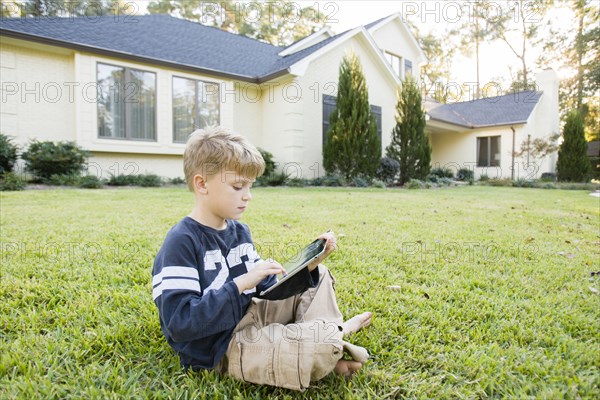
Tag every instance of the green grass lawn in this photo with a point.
(494, 295)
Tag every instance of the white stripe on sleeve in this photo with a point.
(176, 284)
(175, 272)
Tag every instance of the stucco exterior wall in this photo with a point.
(37, 92)
(293, 117)
(457, 150)
(394, 39)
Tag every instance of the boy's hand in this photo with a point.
(330, 246)
(262, 270)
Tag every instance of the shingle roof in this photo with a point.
(514, 108)
(162, 39)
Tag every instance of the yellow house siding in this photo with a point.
(37, 99)
(322, 78)
(393, 39)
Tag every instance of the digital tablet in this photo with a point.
(298, 262)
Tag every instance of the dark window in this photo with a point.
(407, 67)
(195, 106)
(126, 103)
(488, 151)
(329, 106)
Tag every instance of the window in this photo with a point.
(488, 151)
(407, 67)
(329, 103)
(395, 62)
(126, 103)
(195, 106)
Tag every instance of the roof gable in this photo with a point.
(514, 108)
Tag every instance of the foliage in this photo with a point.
(90, 182)
(269, 162)
(548, 177)
(333, 180)
(361, 181)
(410, 145)
(279, 23)
(538, 148)
(44, 159)
(145, 180)
(8, 154)
(9, 181)
(465, 175)
(441, 172)
(274, 179)
(177, 181)
(388, 170)
(352, 147)
(573, 164)
(63, 180)
(578, 50)
(69, 8)
(511, 27)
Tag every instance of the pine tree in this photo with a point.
(573, 164)
(410, 146)
(353, 147)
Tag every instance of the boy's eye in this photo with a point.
(238, 187)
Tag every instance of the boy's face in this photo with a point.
(227, 195)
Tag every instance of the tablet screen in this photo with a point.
(303, 257)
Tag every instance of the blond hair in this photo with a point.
(213, 150)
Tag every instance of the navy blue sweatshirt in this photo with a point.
(198, 303)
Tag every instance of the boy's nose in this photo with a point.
(247, 196)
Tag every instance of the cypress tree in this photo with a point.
(573, 164)
(353, 147)
(410, 146)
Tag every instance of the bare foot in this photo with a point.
(347, 368)
(356, 323)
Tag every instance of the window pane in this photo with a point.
(495, 151)
(208, 104)
(482, 152)
(407, 67)
(184, 108)
(141, 100)
(111, 107)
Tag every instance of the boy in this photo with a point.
(207, 274)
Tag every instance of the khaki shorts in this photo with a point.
(288, 343)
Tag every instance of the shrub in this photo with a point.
(90, 182)
(360, 181)
(548, 177)
(378, 184)
(269, 162)
(177, 181)
(8, 154)
(145, 180)
(573, 164)
(499, 182)
(524, 183)
(44, 159)
(148, 180)
(63, 180)
(445, 182)
(121, 180)
(465, 175)
(318, 181)
(334, 180)
(296, 182)
(441, 173)
(274, 179)
(484, 178)
(415, 184)
(388, 170)
(11, 182)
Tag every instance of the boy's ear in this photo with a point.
(200, 184)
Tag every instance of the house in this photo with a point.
(483, 135)
(130, 89)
